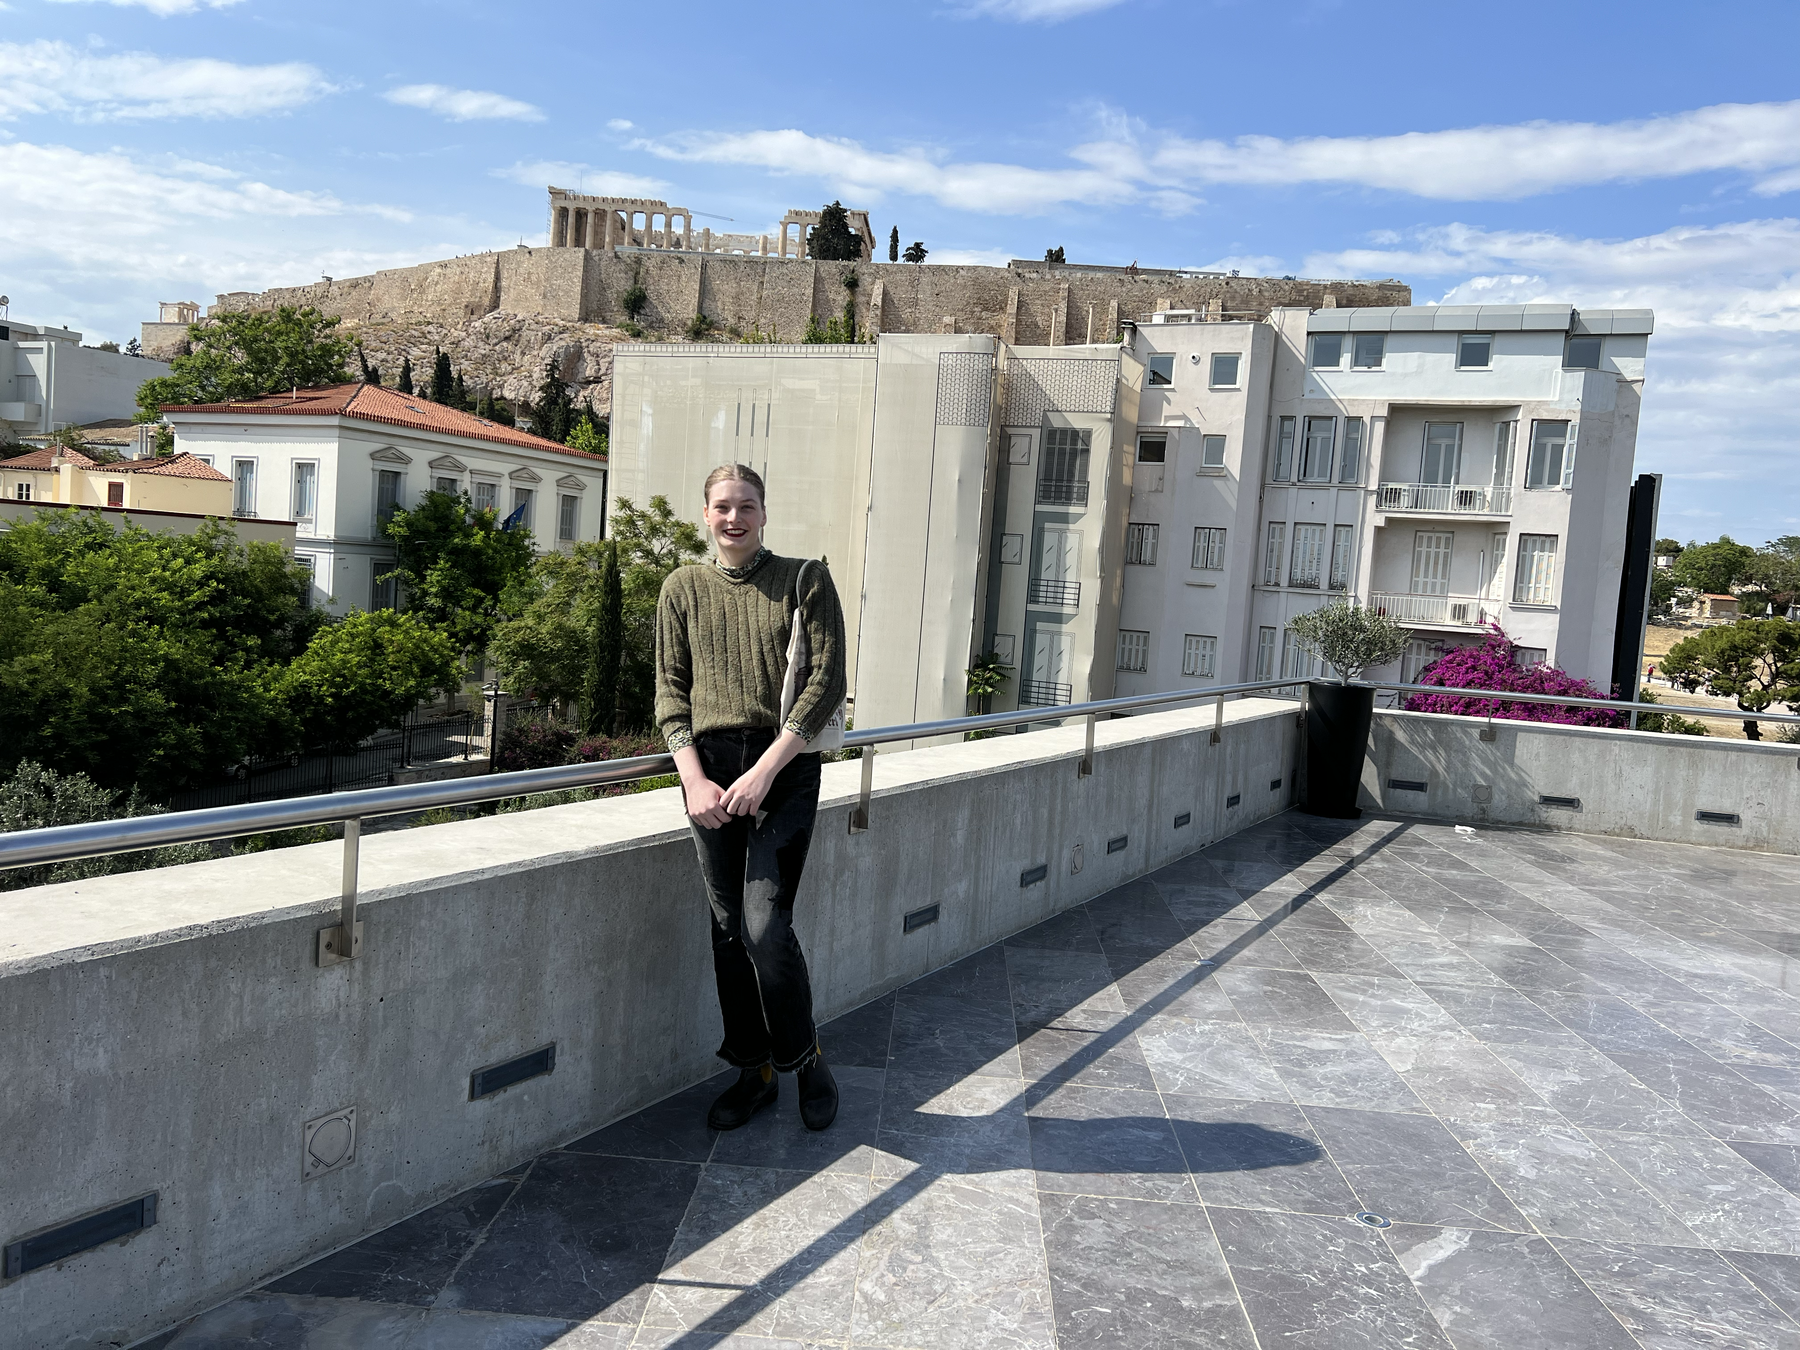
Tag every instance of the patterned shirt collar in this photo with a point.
(741, 573)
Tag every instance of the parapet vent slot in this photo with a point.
(1234, 799)
(1117, 844)
(79, 1235)
(1185, 818)
(1274, 785)
(1407, 785)
(1032, 875)
(1717, 817)
(919, 918)
(498, 1077)
(1566, 803)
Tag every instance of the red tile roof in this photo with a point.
(39, 460)
(183, 465)
(370, 403)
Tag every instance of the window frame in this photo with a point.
(1266, 647)
(1534, 571)
(1463, 339)
(1281, 471)
(1307, 558)
(1307, 441)
(295, 494)
(1199, 656)
(1599, 350)
(568, 517)
(1139, 644)
(1350, 462)
(381, 476)
(1209, 442)
(1149, 438)
(1237, 370)
(1315, 341)
(1356, 342)
(1342, 557)
(1565, 457)
(239, 492)
(1206, 545)
(489, 488)
(1274, 547)
(1140, 543)
(1154, 376)
(526, 497)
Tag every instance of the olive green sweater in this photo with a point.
(721, 649)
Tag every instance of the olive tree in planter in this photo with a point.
(1349, 639)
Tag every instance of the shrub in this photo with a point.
(698, 327)
(534, 743)
(1492, 666)
(36, 798)
(1672, 723)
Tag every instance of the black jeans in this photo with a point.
(752, 874)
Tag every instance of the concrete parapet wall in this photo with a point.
(169, 1031)
(1636, 784)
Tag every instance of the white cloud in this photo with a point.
(162, 8)
(539, 173)
(1034, 11)
(1496, 162)
(1245, 264)
(957, 257)
(620, 124)
(54, 77)
(869, 174)
(463, 105)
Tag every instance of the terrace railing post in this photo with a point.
(1218, 719)
(344, 942)
(1086, 768)
(859, 814)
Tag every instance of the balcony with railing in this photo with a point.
(1129, 1053)
(1444, 499)
(1049, 591)
(1439, 611)
(1044, 693)
(1062, 492)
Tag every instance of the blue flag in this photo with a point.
(516, 518)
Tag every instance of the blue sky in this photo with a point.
(1642, 156)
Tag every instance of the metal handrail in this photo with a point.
(66, 843)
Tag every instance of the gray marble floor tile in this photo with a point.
(1180, 988)
(979, 978)
(775, 1136)
(1722, 1033)
(1280, 998)
(1564, 1182)
(955, 1037)
(409, 1262)
(666, 1338)
(1722, 1099)
(1217, 1058)
(296, 1322)
(1329, 1069)
(1723, 1198)
(1497, 1014)
(1613, 1026)
(1426, 957)
(860, 1037)
(975, 1125)
(1071, 931)
(1131, 1275)
(1317, 1282)
(1455, 1075)
(1257, 1155)
(1393, 1006)
(1680, 1298)
(1504, 1291)
(583, 1238)
(1062, 989)
(674, 1129)
(765, 1252)
(1324, 950)
(1136, 919)
(1780, 1161)
(444, 1329)
(1243, 945)
(956, 1266)
(1412, 1170)
(1778, 1277)
(1105, 1141)
(1591, 1090)
(1108, 1058)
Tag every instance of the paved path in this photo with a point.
(1556, 1076)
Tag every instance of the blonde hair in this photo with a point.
(726, 473)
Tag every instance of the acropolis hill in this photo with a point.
(501, 316)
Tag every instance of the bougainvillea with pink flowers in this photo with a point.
(1493, 665)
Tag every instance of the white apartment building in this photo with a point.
(1423, 460)
(1151, 515)
(337, 461)
(49, 381)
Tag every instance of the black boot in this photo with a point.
(818, 1094)
(754, 1089)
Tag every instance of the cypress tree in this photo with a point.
(443, 381)
(461, 394)
(894, 245)
(554, 412)
(405, 385)
(600, 697)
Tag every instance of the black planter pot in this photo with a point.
(1337, 738)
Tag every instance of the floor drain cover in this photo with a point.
(1374, 1220)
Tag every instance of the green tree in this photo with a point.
(459, 398)
(588, 433)
(1755, 661)
(543, 646)
(652, 543)
(1054, 255)
(915, 252)
(554, 410)
(1662, 590)
(832, 239)
(244, 355)
(443, 379)
(1712, 569)
(894, 245)
(458, 568)
(35, 798)
(142, 659)
(405, 384)
(1775, 570)
(600, 693)
(1666, 548)
(1349, 637)
(371, 374)
(363, 674)
(986, 678)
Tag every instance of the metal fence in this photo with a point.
(373, 763)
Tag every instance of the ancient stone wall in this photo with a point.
(502, 315)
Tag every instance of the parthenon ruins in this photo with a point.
(578, 220)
